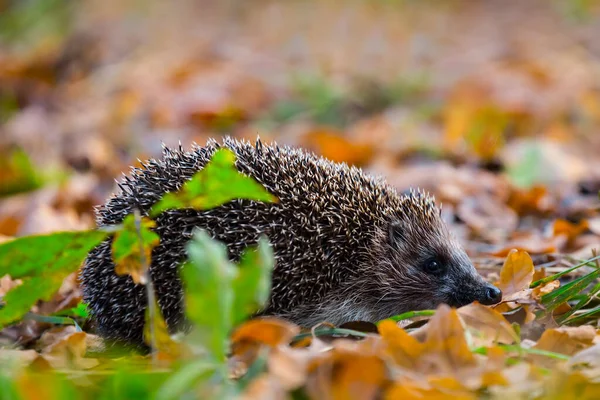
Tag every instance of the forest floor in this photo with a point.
(493, 107)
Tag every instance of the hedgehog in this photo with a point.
(347, 246)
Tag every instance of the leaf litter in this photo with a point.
(510, 150)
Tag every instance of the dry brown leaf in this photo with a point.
(539, 274)
(532, 243)
(489, 325)
(17, 358)
(587, 358)
(541, 290)
(67, 349)
(564, 340)
(516, 273)
(289, 366)
(594, 225)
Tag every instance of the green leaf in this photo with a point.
(208, 294)
(568, 291)
(132, 244)
(217, 183)
(9, 387)
(79, 311)
(592, 312)
(527, 171)
(253, 283)
(42, 262)
(17, 173)
(180, 382)
(219, 294)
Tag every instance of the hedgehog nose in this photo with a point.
(491, 295)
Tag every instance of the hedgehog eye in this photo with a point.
(433, 267)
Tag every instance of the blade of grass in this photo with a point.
(410, 314)
(330, 332)
(584, 300)
(521, 350)
(571, 289)
(52, 320)
(559, 274)
(582, 316)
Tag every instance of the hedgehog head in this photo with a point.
(418, 264)
(414, 263)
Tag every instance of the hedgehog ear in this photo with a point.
(396, 232)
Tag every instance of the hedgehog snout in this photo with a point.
(490, 295)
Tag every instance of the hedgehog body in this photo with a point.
(347, 246)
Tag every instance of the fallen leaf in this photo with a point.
(516, 273)
(265, 330)
(541, 290)
(333, 146)
(346, 374)
(404, 349)
(447, 348)
(569, 229)
(488, 326)
(67, 349)
(564, 340)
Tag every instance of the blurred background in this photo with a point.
(494, 106)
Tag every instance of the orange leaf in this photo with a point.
(265, 330)
(569, 229)
(516, 273)
(346, 374)
(404, 349)
(334, 146)
(409, 390)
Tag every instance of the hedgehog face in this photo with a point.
(418, 265)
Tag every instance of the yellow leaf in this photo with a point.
(159, 337)
(403, 348)
(446, 338)
(516, 273)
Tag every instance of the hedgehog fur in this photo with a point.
(347, 246)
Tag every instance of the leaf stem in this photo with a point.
(52, 320)
(151, 297)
